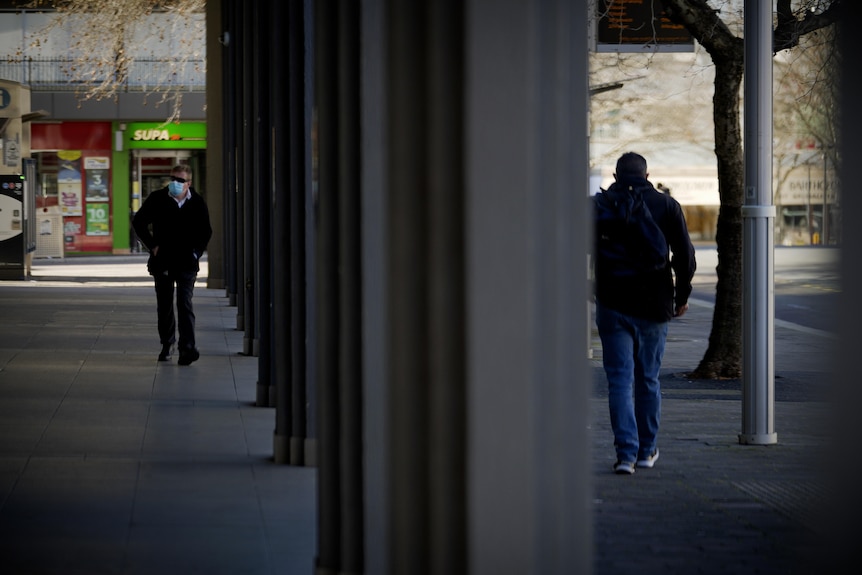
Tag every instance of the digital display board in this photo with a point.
(638, 26)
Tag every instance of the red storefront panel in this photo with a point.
(71, 136)
(73, 159)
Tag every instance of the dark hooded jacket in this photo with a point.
(181, 233)
(652, 295)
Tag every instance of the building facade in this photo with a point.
(96, 159)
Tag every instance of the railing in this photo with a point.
(55, 75)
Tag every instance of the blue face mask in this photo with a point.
(175, 189)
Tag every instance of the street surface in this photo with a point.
(806, 279)
(806, 284)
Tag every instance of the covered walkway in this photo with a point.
(111, 462)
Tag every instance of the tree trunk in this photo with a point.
(723, 357)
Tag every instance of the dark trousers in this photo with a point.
(185, 316)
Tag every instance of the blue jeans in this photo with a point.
(632, 350)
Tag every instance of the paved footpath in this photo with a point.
(711, 504)
(114, 463)
(109, 459)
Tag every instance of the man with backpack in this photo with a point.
(644, 264)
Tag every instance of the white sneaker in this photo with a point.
(624, 467)
(649, 461)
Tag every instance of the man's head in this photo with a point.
(631, 165)
(181, 179)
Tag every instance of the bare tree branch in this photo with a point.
(108, 36)
(705, 24)
(723, 357)
(790, 26)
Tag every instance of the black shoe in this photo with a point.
(188, 356)
(165, 354)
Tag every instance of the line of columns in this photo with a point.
(404, 215)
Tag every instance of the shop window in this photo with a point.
(46, 179)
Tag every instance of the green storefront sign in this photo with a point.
(161, 136)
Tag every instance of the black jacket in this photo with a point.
(652, 295)
(181, 233)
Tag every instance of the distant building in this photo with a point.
(96, 160)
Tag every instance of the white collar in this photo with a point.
(184, 199)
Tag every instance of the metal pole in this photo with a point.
(824, 236)
(758, 212)
(809, 218)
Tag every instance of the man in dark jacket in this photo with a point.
(632, 315)
(174, 225)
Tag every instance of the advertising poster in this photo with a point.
(11, 208)
(11, 152)
(69, 183)
(96, 169)
(97, 220)
(71, 233)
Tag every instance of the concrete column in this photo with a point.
(263, 207)
(339, 384)
(243, 44)
(843, 471)
(282, 256)
(475, 162)
(217, 186)
(328, 558)
(527, 192)
(246, 179)
(228, 44)
(290, 141)
(303, 404)
(425, 274)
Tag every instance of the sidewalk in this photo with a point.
(111, 462)
(710, 504)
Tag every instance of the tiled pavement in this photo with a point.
(111, 462)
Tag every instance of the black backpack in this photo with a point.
(629, 242)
